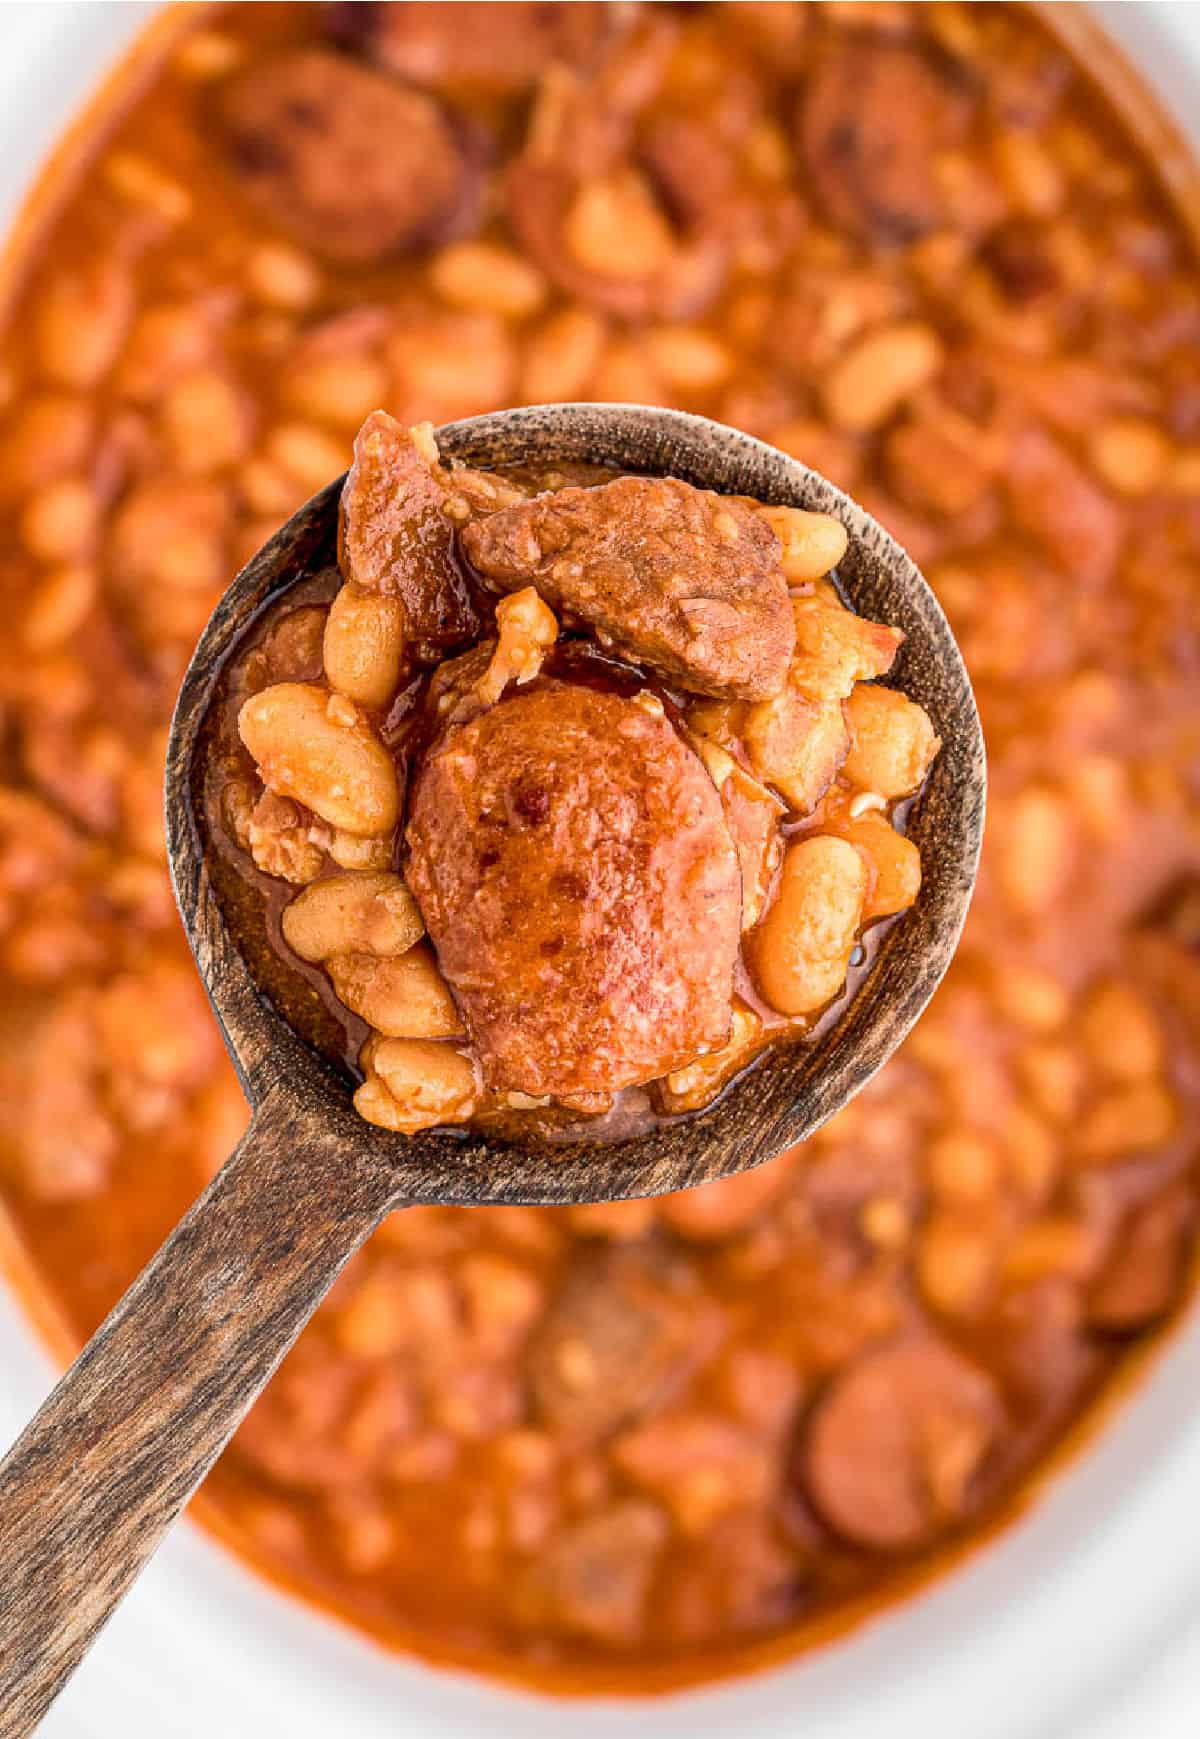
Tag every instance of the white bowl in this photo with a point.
(1083, 1616)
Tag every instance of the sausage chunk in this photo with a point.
(618, 1342)
(873, 120)
(892, 1452)
(395, 536)
(502, 48)
(594, 1578)
(352, 164)
(573, 867)
(681, 579)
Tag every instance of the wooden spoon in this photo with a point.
(96, 1479)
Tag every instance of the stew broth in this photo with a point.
(624, 1445)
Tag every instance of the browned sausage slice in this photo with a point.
(395, 535)
(617, 1343)
(351, 163)
(572, 864)
(681, 579)
(873, 120)
(475, 44)
(892, 1450)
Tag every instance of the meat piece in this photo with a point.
(1175, 914)
(302, 1432)
(834, 650)
(893, 862)
(572, 864)
(891, 1453)
(681, 579)
(285, 839)
(595, 212)
(290, 651)
(573, 231)
(838, 1183)
(1069, 394)
(873, 120)
(501, 48)
(752, 817)
(692, 168)
(940, 465)
(1021, 260)
(796, 745)
(752, 813)
(743, 1582)
(594, 1579)
(617, 1343)
(351, 163)
(453, 693)
(395, 534)
(1143, 1278)
(57, 1133)
(526, 630)
(1055, 501)
(1037, 1343)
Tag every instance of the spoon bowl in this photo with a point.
(787, 1093)
(102, 1471)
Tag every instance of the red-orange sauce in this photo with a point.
(1019, 1186)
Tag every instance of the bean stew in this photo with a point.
(568, 873)
(651, 1443)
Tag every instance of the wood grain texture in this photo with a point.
(97, 1478)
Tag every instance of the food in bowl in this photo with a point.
(573, 771)
(622, 1447)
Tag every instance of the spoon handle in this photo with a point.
(95, 1480)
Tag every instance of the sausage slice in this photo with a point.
(892, 1451)
(873, 120)
(572, 864)
(353, 164)
(681, 579)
